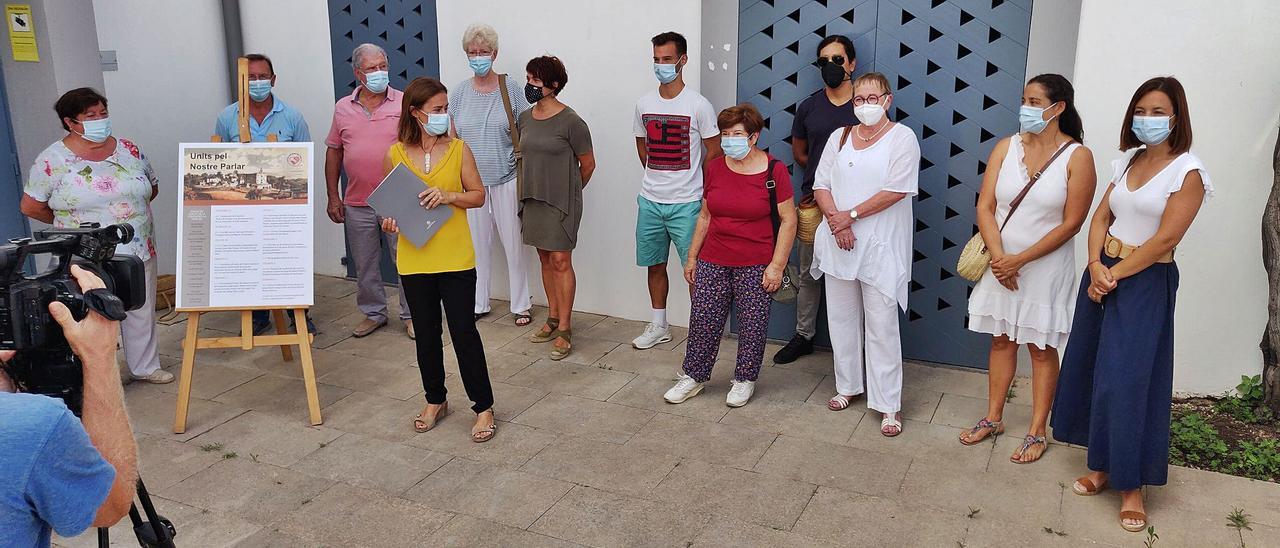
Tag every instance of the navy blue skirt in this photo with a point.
(1116, 385)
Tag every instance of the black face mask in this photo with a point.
(833, 75)
(533, 93)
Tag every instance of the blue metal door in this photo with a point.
(957, 69)
(406, 29)
(12, 223)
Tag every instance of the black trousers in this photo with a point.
(457, 292)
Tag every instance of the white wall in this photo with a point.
(304, 80)
(1218, 54)
(605, 47)
(170, 87)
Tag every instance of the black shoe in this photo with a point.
(798, 346)
(261, 328)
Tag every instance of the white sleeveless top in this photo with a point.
(1040, 311)
(1138, 212)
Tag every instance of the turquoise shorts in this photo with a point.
(660, 225)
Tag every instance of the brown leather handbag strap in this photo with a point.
(844, 137)
(511, 117)
(1017, 200)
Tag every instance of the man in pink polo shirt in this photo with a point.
(365, 124)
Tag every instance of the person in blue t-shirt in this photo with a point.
(268, 115)
(825, 111)
(58, 472)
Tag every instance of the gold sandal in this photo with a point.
(546, 336)
(444, 410)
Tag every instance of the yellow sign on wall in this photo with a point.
(22, 32)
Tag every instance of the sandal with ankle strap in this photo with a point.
(428, 425)
(487, 433)
(1027, 442)
(558, 353)
(546, 336)
(996, 428)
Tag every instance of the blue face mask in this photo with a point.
(480, 64)
(96, 130)
(1151, 130)
(376, 81)
(1032, 118)
(735, 146)
(259, 90)
(665, 73)
(437, 123)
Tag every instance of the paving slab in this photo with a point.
(922, 441)
(371, 463)
(963, 411)
(848, 468)
(281, 396)
(385, 344)
(464, 530)
(1098, 518)
(378, 416)
(653, 362)
(597, 420)
(501, 365)
(729, 533)
(507, 496)
(195, 526)
(752, 497)
(601, 465)
(350, 516)
(266, 438)
(1212, 492)
(572, 379)
(211, 379)
(258, 493)
(598, 518)
(513, 445)
(509, 400)
(844, 517)
(796, 419)
(709, 442)
(383, 378)
(624, 331)
(585, 350)
(985, 532)
(151, 411)
(998, 497)
(645, 392)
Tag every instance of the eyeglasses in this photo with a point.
(872, 99)
(379, 67)
(822, 61)
(480, 53)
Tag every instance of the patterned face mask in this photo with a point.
(533, 93)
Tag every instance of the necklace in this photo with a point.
(873, 135)
(426, 154)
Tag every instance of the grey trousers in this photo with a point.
(365, 236)
(809, 294)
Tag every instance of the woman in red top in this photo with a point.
(735, 257)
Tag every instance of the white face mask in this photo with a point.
(869, 114)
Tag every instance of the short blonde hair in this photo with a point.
(873, 78)
(482, 32)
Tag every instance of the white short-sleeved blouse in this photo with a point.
(881, 256)
(1138, 212)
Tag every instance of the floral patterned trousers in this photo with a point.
(715, 289)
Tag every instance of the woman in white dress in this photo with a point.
(1026, 297)
(863, 186)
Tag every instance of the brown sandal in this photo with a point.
(487, 433)
(1085, 487)
(553, 324)
(440, 415)
(1136, 516)
(558, 352)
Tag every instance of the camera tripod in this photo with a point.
(157, 532)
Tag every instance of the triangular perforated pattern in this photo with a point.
(958, 67)
(406, 29)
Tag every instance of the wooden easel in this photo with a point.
(247, 340)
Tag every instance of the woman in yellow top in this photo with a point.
(444, 269)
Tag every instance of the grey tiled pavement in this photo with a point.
(587, 453)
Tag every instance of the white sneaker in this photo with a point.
(739, 393)
(684, 389)
(160, 376)
(653, 335)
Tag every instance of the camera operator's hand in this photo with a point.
(94, 337)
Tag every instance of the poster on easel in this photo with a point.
(245, 236)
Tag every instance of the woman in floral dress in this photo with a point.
(89, 176)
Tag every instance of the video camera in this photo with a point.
(44, 363)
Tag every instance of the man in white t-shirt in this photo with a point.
(672, 125)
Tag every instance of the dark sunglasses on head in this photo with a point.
(822, 61)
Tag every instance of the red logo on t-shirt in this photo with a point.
(667, 141)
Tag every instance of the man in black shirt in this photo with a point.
(824, 112)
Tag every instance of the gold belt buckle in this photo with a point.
(1113, 247)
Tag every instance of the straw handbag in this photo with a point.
(975, 258)
(808, 217)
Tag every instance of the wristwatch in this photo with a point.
(853, 214)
